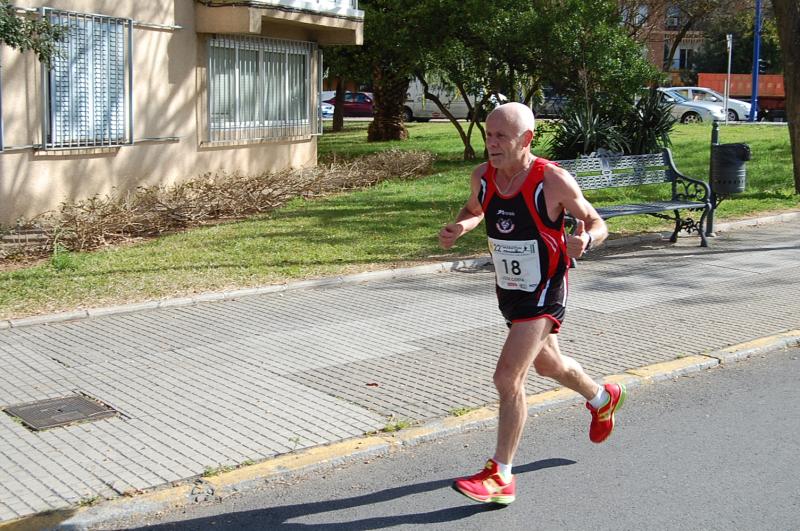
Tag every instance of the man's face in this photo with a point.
(506, 143)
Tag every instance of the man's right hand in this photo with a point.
(449, 234)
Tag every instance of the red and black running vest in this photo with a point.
(520, 231)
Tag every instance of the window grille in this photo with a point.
(89, 83)
(259, 89)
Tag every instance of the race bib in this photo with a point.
(516, 264)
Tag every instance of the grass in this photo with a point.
(396, 425)
(461, 411)
(210, 472)
(391, 224)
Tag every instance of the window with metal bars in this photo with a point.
(88, 85)
(259, 88)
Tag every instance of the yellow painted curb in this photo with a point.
(649, 373)
(556, 395)
(297, 462)
(763, 342)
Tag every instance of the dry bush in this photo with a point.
(149, 211)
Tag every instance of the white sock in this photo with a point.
(600, 398)
(504, 469)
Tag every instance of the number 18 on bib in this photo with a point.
(516, 264)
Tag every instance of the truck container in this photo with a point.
(771, 95)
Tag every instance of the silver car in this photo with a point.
(737, 109)
(688, 111)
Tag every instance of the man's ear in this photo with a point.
(528, 137)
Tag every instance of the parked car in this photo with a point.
(691, 111)
(355, 103)
(737, 109)
(550, 104)
(326, 110)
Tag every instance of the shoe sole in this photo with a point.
(623, 394)
(499, 500)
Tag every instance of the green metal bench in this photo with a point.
(693, 195)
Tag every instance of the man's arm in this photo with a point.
(561, 189)
(469, 217)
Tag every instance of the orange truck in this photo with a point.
(771, 95)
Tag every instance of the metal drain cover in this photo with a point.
(45, 414)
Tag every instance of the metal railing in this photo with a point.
(86, 98)
(259, 89)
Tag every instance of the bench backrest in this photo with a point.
(620, 170)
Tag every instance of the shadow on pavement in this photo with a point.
(277, 517)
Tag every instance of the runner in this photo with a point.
(523, 199)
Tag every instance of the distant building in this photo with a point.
(145, 93)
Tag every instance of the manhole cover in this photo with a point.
(45, 414)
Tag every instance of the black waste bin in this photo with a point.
(728, 174)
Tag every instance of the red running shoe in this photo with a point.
(603, 417)
(487, 486)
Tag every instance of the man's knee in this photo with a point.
(508, 383)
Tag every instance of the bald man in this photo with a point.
(523, 199)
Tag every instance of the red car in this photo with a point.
(355, 103)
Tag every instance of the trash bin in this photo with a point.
(728, 174)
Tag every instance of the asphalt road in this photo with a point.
(714, 450)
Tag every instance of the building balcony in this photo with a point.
(323, 21)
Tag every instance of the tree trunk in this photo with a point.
(469, 151)
(389, 95)
(787, 14)
(338, 109)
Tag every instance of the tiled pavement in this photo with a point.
(229, 382)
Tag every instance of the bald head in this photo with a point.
(516, 116)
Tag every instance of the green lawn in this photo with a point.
(393, 223)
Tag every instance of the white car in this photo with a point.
(737, 109)
(689, 112)
(326, 110)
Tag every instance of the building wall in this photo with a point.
(169, 100)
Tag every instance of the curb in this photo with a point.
(370, 446)
(386, 274)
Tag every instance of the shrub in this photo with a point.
(584, 131)
(648, 124)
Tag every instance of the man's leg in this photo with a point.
(492, 484)
(550, 363)
(602, 401)
(524, 341)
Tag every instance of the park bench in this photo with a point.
(616, 171)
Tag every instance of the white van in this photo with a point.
(418, 108)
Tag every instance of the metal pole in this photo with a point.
(729, 41)
(130, 82)
(1, 108)
(756, 57)
(713, 198)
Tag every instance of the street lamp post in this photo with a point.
(729, 43)
(756, 57)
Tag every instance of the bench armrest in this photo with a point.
(686, 188)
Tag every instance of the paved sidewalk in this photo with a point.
(238, 381)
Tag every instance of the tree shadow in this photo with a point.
(278, 517)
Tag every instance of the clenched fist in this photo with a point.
(449, 234)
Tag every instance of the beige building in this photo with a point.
(151, 92)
